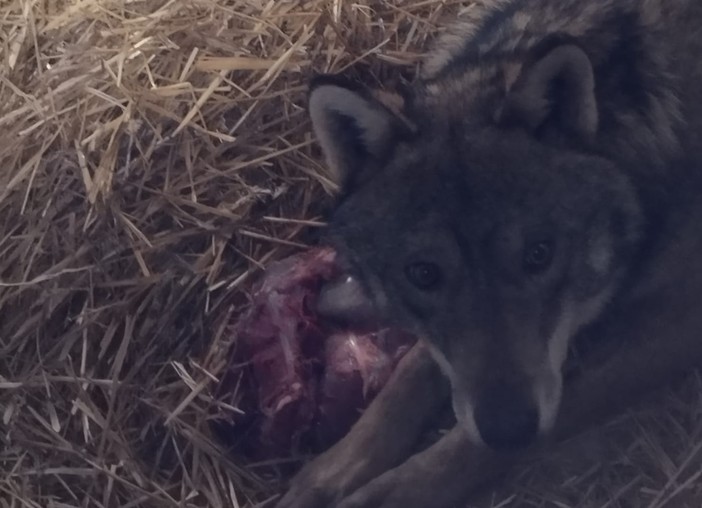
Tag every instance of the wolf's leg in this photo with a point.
(383, 437)
(438, 477)
(649, 344)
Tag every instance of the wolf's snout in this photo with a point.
(345, 301)
(506, 419)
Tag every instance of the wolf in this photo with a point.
(540, 188)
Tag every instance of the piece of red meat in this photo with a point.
(311, 377)
(357, 366)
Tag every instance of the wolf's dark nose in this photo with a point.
(506, 419)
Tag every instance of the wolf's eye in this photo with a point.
(538, 257)
(425, 276)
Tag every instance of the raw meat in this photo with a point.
(308, 377)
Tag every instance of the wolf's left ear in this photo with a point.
(357, 132)
(558, 87)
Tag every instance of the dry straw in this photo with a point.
(154, 155)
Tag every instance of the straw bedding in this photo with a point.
(154, 156)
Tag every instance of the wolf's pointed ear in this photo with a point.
(357, 132)
(558, 87)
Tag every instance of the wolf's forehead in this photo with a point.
(473, 183)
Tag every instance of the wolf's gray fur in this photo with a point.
(543, 180)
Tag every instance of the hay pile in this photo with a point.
(154, 155)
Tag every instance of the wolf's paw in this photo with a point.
(441, 476)
(325, 481)
(391, 490)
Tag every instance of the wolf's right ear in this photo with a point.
(357, 132)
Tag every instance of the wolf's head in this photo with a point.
(492, 240)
